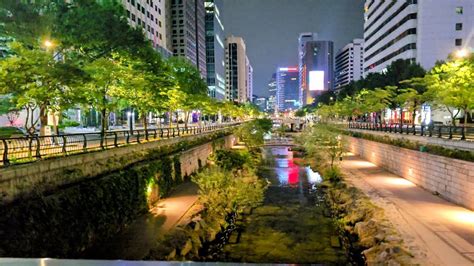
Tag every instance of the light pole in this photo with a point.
(130, 115)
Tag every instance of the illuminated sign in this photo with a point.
(316, 80)
(288, 69)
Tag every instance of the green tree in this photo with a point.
(326, 146)
(9, 108)
(451, 85)
(191, 86)
(378, 100)
(35, 80)
(27, 22)
(108, 79)
(90, 30)
(252, 132)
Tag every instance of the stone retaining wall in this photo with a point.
(452, 179)
(445, 143)
(49, 174)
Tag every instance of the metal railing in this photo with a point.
(28, 149)
(437, 131)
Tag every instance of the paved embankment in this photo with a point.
(135, 242)
(436, 231)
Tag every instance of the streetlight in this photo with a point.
(461, 53)
(130, 116)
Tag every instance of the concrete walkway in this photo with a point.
(135, 241)
(436, 231)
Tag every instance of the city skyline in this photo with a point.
(339, 22)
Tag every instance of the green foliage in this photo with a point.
(333, 174)
(231, 159)
(223, 194)
(6, 132)
(68, 123)
(252, 132)
(451, 86)
(375, 93)
(81, 52)
(326, 146)
(64, 223)
(300, 113)
(405, 143)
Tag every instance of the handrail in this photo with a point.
(27, 149)
(462, 133)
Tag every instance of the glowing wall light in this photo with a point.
(316, 80)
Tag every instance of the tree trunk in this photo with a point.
(103, 126)
(27, 128)
(186, 119)
(43, 120)
(55, 124)
(466, 110)
(170, 117)
(145, 124)
(401, 120)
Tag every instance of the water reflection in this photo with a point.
(289, 173)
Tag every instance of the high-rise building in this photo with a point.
(237, 70)
(423, 31)
(303, 38)
(215, 50)
(287, 96)
(349, 63)
(249, 82)
(150, 15)
(272, 90)
(261, 103)
(316, 67)
(186, 31)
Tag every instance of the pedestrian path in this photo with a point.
(436, 232)
(135, 242)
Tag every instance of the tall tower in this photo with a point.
(349, 63)
(186, 29)
(287, 96)
(422, 31)
(316, 67)
(215, 50)
(237, 70)
(151, 17)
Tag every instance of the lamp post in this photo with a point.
(130, 115)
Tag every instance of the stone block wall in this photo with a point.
(18, 180)
(452, 179)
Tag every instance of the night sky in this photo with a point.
(271, 28)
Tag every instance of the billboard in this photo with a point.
(316, 80)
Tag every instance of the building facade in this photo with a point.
(249, 81)
(186, 31)
(272, 90)
(316, 71)
(423, 31)
(349, 63)
(215, 50)
(287, 95)
(261, 103)
(237, 70)
(150, 15)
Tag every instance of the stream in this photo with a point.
(292, 225)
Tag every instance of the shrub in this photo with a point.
(333, 174)
(231, 159)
